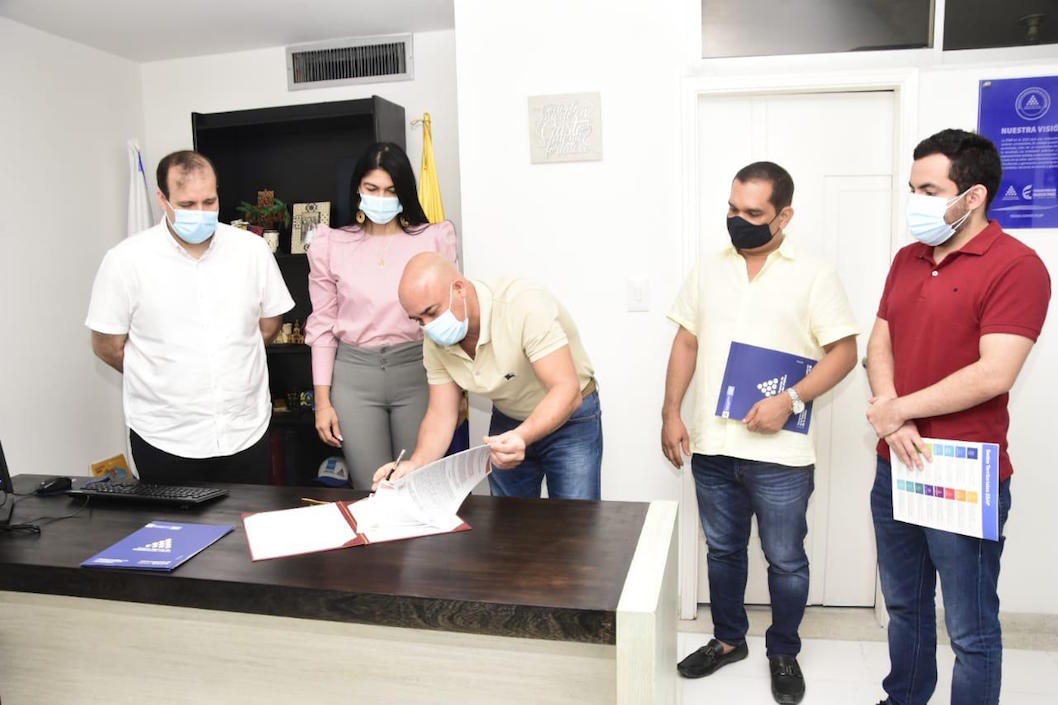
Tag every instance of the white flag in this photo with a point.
(140, 217)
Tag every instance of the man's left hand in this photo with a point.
(884, 415)
(769, 415)
(506, 450)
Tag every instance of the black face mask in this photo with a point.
(747, 236)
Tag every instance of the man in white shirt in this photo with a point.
(761, 291)
(183, 310)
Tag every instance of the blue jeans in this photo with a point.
(909, 559)
(730, 491)
(570, 457)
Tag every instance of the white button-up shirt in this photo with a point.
(196, 378)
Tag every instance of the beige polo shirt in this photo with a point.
(795, 304)
(521, 322)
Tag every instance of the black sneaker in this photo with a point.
(787, 681)
(709, 658)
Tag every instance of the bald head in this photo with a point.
(425, 285)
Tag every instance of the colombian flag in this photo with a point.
(430, 189)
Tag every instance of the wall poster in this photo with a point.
(1020, 115)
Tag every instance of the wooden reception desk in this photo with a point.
(543, 601)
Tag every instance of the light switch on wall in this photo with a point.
(638, 293)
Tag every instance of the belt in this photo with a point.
(589, 389)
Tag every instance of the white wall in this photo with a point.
(67, 113)
(583, 228)
(172, 90)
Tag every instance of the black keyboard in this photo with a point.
(146, 492)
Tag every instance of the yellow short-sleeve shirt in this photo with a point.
(796, 304)
(521, 322)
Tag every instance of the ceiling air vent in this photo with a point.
(346, 61)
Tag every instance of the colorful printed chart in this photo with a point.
(957, 492)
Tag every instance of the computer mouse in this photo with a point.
(54, 485)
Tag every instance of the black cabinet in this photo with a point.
(303, 153)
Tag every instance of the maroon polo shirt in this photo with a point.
(938, 313)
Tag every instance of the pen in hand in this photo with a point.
(395, 464)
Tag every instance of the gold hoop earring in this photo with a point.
(360, 217)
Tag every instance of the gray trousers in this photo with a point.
(380, 396)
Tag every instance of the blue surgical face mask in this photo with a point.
(446, 329)
(380, 209)
(193, 227)
(925, 218)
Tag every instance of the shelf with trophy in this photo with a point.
(282, 171)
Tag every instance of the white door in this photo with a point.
(838, 147)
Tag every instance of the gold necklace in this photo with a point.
(382, 255)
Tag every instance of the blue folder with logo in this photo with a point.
(160, 545)
(754, 373)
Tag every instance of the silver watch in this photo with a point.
(798, 405)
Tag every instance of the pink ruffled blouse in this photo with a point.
(353, 286)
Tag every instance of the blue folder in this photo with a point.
(160, 545)
(755, 373)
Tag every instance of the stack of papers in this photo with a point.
(423, 503)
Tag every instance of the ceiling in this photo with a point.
(152, 30)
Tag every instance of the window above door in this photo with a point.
(745, 28)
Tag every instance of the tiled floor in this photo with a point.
(848, 672)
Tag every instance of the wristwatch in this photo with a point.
(798, 405)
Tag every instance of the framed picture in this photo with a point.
(306, 217)
(565, 128)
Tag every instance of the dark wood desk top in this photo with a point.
(547, 569)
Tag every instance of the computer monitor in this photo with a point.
(7, 499)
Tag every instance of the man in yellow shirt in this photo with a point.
(511, 341)
(759, 291)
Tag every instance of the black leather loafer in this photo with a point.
(787, 681)
(709, 658)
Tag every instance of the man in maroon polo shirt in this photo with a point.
(960, 312)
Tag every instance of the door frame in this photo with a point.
(904, 84)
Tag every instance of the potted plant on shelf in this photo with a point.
(268, 214)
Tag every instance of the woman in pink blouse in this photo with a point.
(371, 390)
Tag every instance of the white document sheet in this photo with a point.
(426, 498)
(377, 530)
(289, 532)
